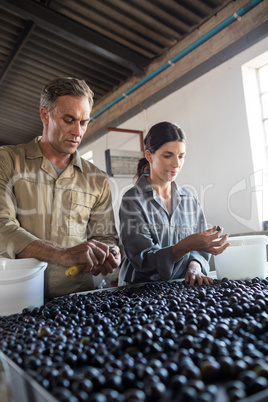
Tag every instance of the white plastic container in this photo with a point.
(21, 284)
(245, 258)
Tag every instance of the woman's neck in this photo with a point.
(162, 189)
(164, 192)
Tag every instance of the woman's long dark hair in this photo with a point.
(158, 135)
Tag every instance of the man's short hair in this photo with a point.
(64, 86)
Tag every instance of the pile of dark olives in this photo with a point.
(163, 341)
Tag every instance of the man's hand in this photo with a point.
(194, 274)
(112, 261)
(93, 255)
(90, 254)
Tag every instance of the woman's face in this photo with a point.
(166, 162)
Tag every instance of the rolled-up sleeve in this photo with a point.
(13, 238)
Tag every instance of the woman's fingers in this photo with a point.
(220, 241)
(207, 280)
(191, 278)
(220, 246)
(219, 250)
(207, 240)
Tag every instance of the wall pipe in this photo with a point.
(235, 17)
(125, 130)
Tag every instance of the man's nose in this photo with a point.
(77, 129)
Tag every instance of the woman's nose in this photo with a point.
(176, 162)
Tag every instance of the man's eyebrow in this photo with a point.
(73, 118)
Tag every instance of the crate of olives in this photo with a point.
(161, 341)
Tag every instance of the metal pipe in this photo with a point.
(125, 130)
(236, 16)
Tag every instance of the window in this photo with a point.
(255, 82)
(263, 85)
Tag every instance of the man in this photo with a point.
(54, 205)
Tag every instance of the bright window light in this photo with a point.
(88, 156)
(255, 82)
(263, 82)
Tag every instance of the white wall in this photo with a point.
(219, 164)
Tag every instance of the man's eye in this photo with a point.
(68, 121)
(167, 156)
(84, 123)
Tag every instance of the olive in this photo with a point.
(164, 340)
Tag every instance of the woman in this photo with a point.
(163, 227)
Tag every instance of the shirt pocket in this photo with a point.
(80, 211)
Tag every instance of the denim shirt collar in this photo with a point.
(144, 186)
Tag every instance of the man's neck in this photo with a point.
(59, 160)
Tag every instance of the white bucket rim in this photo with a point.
(247, 240)
(13, 263)
(24, 278)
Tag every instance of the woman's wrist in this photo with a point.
(194, 265)
(196, 262)
(180, 249)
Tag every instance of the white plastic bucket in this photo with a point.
(21, 284)
(245, 258)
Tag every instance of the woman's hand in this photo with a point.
(194, 273)
(208, 241)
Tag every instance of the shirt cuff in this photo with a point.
(19, 242)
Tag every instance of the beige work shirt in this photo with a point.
(67, 210)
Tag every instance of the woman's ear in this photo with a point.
(44, 115)
(148, 155)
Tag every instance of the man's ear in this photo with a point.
(148, 155)
(44, 115)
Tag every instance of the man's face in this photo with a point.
(66, 124)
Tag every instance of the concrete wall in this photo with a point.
(219, 164)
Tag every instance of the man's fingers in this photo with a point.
(100, 251)
(95, 271)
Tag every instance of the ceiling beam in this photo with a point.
(16, 50)
(86, 37)
(253, 28)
